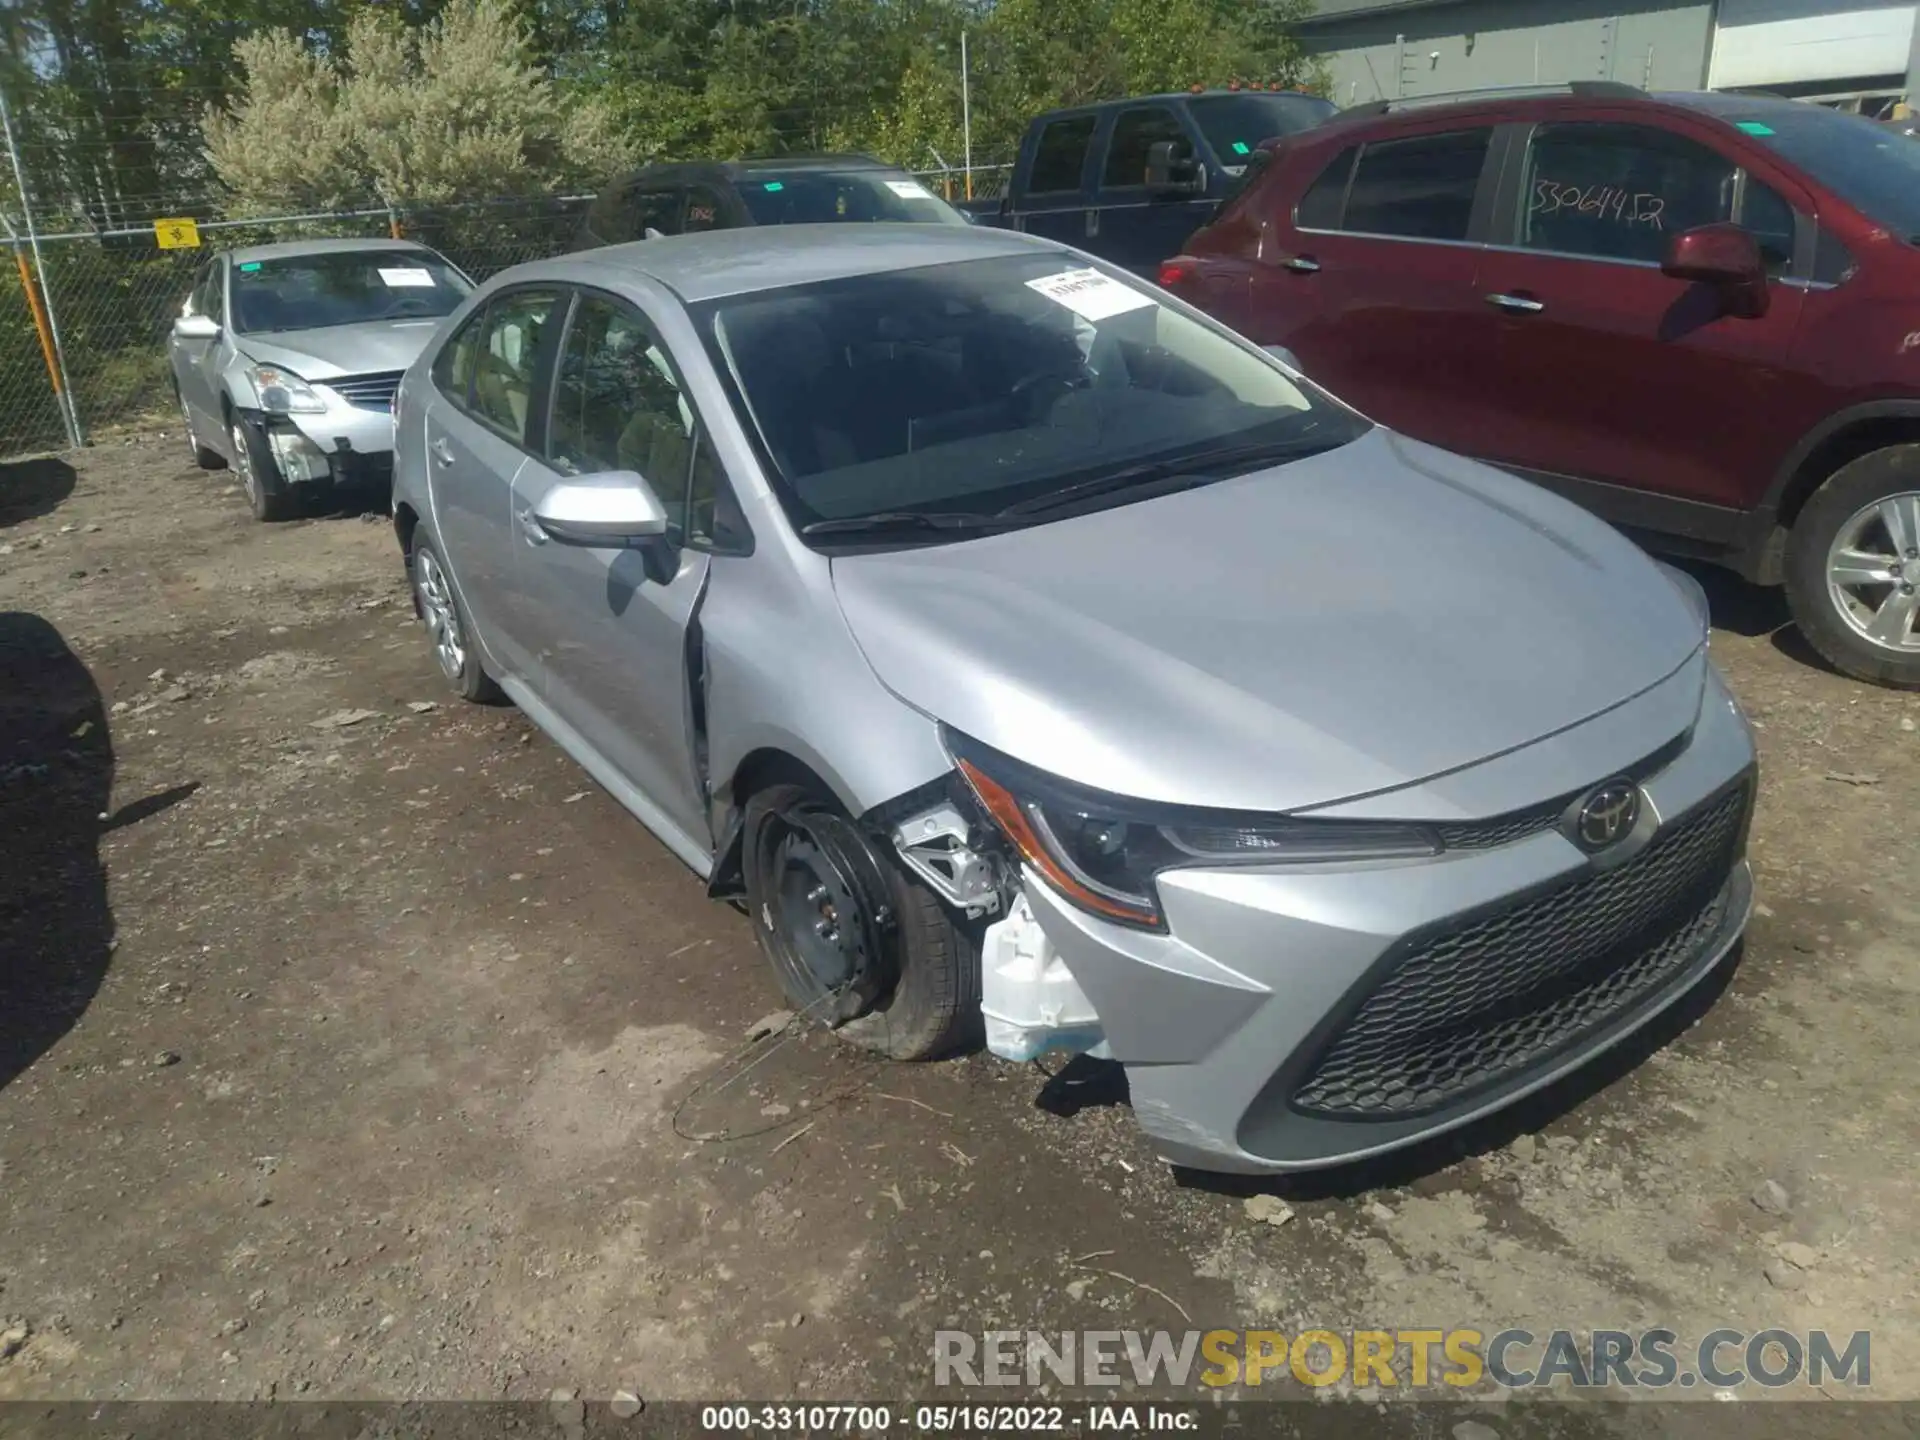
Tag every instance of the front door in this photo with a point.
(196, 363)
(612, 621)
(1053, 202)
(1600, 367)
(1138, 226)
(478, 432)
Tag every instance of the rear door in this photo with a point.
(1601, 368)
(1367, 273)
(476, 434)
(612, 620)
(1135, 226)
(1054, 184)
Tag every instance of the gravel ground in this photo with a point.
(365, 1048)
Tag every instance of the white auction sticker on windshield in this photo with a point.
(402, 277)
(909, 190)
(1089, 294)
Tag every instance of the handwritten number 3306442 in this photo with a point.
(1603, 202)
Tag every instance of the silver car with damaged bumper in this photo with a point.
(1038, 661)
(285, 359)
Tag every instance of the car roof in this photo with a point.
(1164, 97)
(288, 249)
(1525, 102)
(756, 165)
(718, 263)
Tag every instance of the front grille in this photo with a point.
(367, 392)
(1518, 825)
(1472, 1006)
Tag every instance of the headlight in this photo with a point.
(283, 392)
(1103, 852)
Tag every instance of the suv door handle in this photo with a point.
(1518, 304)
(442, 452)
(1304, 264)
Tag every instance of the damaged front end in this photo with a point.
(1029, 999)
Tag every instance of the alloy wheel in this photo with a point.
(1873, 572)
(243, 461)
(443, 620)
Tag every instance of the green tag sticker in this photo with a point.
(1240, 147)
(251, 265)
(1754, 127)
(774, 187)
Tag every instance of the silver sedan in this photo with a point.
(285, 359)
(1043, 665)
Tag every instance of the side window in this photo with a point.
(644, 208)
(1326, 199)
(1833, 263)
(504, 360)
(453, 366)
(205, 299)
(1771, 219)
(617, 405)
(1061, 156)
(1135, 133)
(1617, 192)
(713, 515)
(706, 210)
(1421, 187)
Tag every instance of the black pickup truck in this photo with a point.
(1130, 180)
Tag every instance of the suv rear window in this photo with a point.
(1421, 187)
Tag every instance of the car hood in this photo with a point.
(1339, 626)
(336, 350)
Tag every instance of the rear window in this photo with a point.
(1421, 187)
(1234, 125)
(816, 197)
(343, 287)
(1061, 156)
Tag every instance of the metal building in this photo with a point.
(1862, 54)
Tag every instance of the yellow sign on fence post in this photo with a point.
(176, 234)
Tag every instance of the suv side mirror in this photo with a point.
(1726, 257)
(611, 510)
(1172, 170)
(196, 327)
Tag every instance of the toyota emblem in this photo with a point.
(1606, 816)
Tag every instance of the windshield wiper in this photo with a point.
(885, 520)
(1191, 469)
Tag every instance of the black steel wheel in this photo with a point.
(855, 943)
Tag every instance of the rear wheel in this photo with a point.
(1853, 568)
(267, 492)
(855, 942)
(447, 629)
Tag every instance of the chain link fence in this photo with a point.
(105, 300)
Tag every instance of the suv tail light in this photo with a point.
(1178, 272)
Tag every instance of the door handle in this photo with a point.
(1517, 304)
(1303, 264)
(442, 452)
(531, 528)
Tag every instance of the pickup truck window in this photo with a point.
(1421, 187)
(1060, 157)
(1135, 133)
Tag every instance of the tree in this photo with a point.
(455, 109)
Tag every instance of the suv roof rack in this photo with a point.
(1586, 89)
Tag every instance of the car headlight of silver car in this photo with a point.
(282, 392)
(1103, 852)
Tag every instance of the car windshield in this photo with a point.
(813, 197)
(952, 392)
(343, 287)
(1236, 124)
(1874, 169)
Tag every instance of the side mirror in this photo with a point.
(609, 510)
(1172, 170)
(1726, 257)
(196, 327)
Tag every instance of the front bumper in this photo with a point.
(344, 444)
(1294, 1018)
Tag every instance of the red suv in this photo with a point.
(1698, 315)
